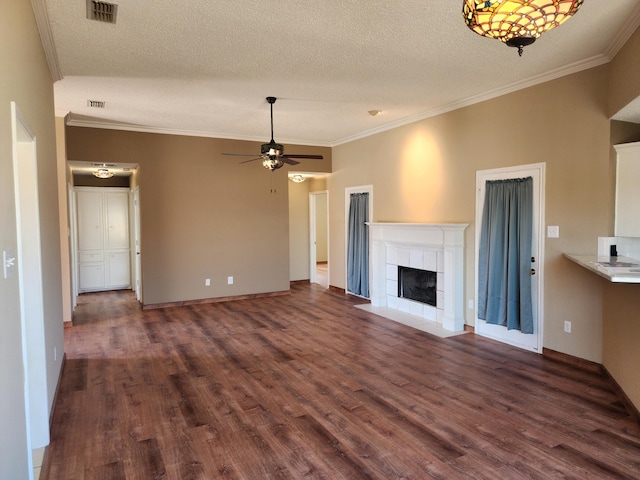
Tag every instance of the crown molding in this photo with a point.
(72, 122)
(46, 38)
(498, 92)
(623, 35)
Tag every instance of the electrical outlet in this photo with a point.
(553, 231)
(207, 282)
(567, 327)
(229, 280)
(470, 303)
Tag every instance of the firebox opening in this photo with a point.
(417, 285)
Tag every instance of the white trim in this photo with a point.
(623, 34)
(73, 232)
(74, 122)
(46, 36)
(136, 243)
(29, 263)
(481, 176)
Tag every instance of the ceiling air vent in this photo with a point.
(95, 103)
(101, 11)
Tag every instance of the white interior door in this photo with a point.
(532, 341)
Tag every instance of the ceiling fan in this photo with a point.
(272, 153)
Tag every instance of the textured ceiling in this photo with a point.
(203, 67)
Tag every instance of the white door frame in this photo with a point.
(313, 199)
(538, 171)
(347, 202)
(29, 261)
(136, 244)
(73, 232)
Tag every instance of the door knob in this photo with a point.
(533, 271)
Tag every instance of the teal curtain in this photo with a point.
(358, 245)
(504, 260)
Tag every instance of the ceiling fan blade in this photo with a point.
(313, 157)
(240, 154)
(251, 160)
(289, 161)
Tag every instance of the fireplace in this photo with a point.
(418, 285)
(437, 248)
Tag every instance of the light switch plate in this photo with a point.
(553, 231)
(9, 263)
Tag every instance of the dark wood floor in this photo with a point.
(306, 386)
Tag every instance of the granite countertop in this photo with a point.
(614, 269)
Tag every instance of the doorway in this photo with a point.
(532, 341)
(135, 244)
(319, 238)
(360, 285)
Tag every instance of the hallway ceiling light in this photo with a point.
(103, 173)
(517, 23)
(297, 178)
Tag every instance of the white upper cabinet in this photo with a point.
(627, 215)
(117, 220)
(90, 221)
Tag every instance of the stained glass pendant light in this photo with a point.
(517, 22)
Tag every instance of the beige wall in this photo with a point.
(625, 76)
(203, 215)
(621, 317)
(25, 79)
(425, 172)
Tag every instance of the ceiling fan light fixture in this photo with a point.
(272, 163)
(517, 23)
(272, 153)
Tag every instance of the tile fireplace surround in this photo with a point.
(438, 247)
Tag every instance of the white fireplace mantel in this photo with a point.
(431, 246)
